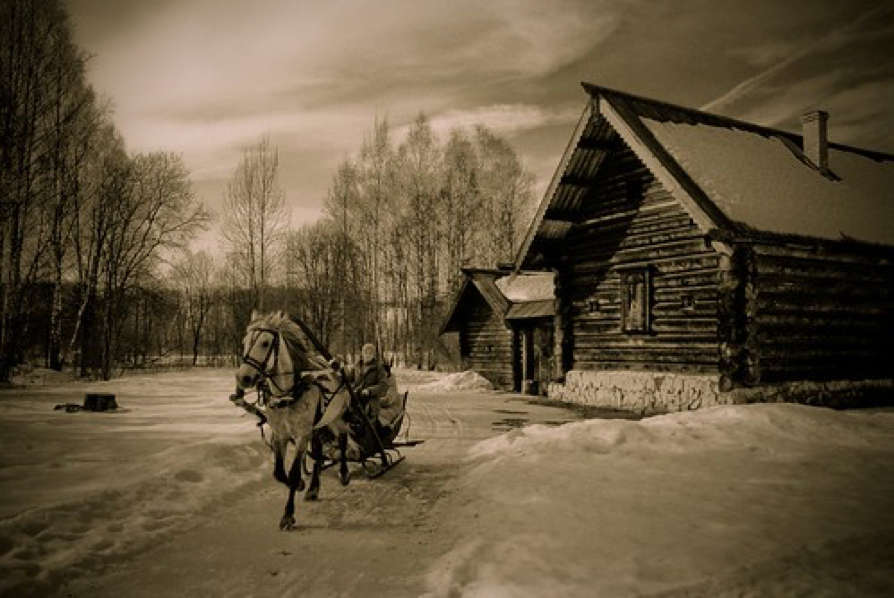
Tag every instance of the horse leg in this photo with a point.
(279, 461)
(296, 484)
(295, 478)
(343, 474)
(316, 450)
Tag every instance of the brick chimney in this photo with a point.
(816, 145)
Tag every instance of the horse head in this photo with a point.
(275, 349)
(266, 356)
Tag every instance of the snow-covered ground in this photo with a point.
(82, 489)
(758, 500)
(763, 500)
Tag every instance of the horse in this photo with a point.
(297, 408)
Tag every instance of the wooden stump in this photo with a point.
(99, 401)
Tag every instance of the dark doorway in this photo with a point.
(534, 340)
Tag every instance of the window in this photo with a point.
(636, 305)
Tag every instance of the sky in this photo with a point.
(208, 78)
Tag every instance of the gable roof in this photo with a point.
(511, 296)
(731, 176)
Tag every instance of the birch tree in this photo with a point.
(193, 277)
(376, 188)
(419, 159)
(344, 209)
(507, 197)
(255, 218)
(460, 204)
(29, 55)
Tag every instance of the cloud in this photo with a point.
(207, 78)
(191, 55)
(848, 72)
(504, 119)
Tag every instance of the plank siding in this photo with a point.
(486, 344)
(630, 220)
(823, 316)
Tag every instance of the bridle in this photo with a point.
(262, 365)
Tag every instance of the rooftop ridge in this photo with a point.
(711, 118)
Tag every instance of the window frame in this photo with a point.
(641, 278)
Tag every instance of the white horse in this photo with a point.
(300, 395)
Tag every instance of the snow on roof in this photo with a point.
(527, 287)
(760, 181)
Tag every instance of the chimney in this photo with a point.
(816, 146)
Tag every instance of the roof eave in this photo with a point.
(662, 165)
(553, 185)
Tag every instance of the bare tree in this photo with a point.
(255, 218)
(109, 178)
(376, 188)
(75, 121)
(507, 197)
(343, 208)
(156, 212)
(33, 41)
(193, 277)
(460, 204)
(420, 158)
(313, 259)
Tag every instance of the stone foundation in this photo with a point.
(649, 393)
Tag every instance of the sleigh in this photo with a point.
(373, 441)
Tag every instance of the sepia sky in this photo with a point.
(208, 78)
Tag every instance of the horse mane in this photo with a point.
(303, 352)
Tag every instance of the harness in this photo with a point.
(271, 395)
(262, 365)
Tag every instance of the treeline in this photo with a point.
(84, 223)
(401, 218)
(97, 272)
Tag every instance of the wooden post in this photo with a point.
(562, 349)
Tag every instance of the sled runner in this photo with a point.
(372, 441)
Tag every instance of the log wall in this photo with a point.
(823, 314)
(486, 345)
(629, 221)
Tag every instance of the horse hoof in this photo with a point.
(300, 485)
(345, 478)
(286, 523)
(310, 496)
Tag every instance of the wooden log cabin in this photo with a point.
(703, 260)
(504, 323)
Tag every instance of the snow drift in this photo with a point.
(757, 500)
(467, 380)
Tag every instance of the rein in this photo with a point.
(261, 366)
(278, 397)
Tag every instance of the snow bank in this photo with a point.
(81, 490)
(468, 380)
(757, 500)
